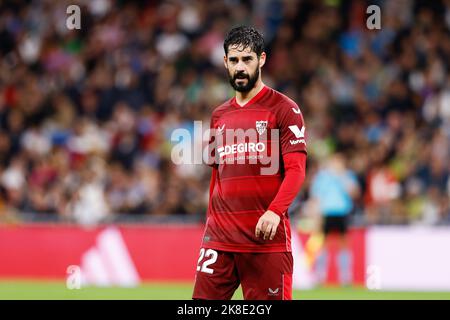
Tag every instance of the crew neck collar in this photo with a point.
(258, 96)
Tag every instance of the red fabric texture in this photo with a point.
(295, 171)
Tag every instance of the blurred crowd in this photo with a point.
(86, 116)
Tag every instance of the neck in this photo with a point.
(244, 97)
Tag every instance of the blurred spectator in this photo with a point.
(88, 205)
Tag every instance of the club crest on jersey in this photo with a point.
(261, 126)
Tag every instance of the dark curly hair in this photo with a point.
(246, 37)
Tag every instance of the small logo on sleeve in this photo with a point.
(297, 111)
(299, 134)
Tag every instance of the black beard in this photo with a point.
(251, 81)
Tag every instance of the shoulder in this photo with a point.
(282, 104)
(219, 110)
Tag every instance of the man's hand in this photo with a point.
(267, 225)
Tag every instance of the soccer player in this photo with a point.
(247, 238)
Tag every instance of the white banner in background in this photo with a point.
(412, 258)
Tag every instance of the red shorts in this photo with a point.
(263, 276)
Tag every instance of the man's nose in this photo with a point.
(240, 66)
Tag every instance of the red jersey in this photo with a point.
(240, 193)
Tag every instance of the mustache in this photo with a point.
(241, 75)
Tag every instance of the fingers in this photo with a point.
(258, 228)
(266, 229)
(264, 225)
(274, 231)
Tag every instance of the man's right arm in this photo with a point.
(212, 181)
(212, 144)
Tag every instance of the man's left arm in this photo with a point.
(293, 148)
(295, 165)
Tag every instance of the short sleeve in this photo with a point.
(292, 129)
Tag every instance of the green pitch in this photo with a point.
(12, 290)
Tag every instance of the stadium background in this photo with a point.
(86, 177)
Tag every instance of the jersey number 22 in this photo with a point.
(209, 253)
